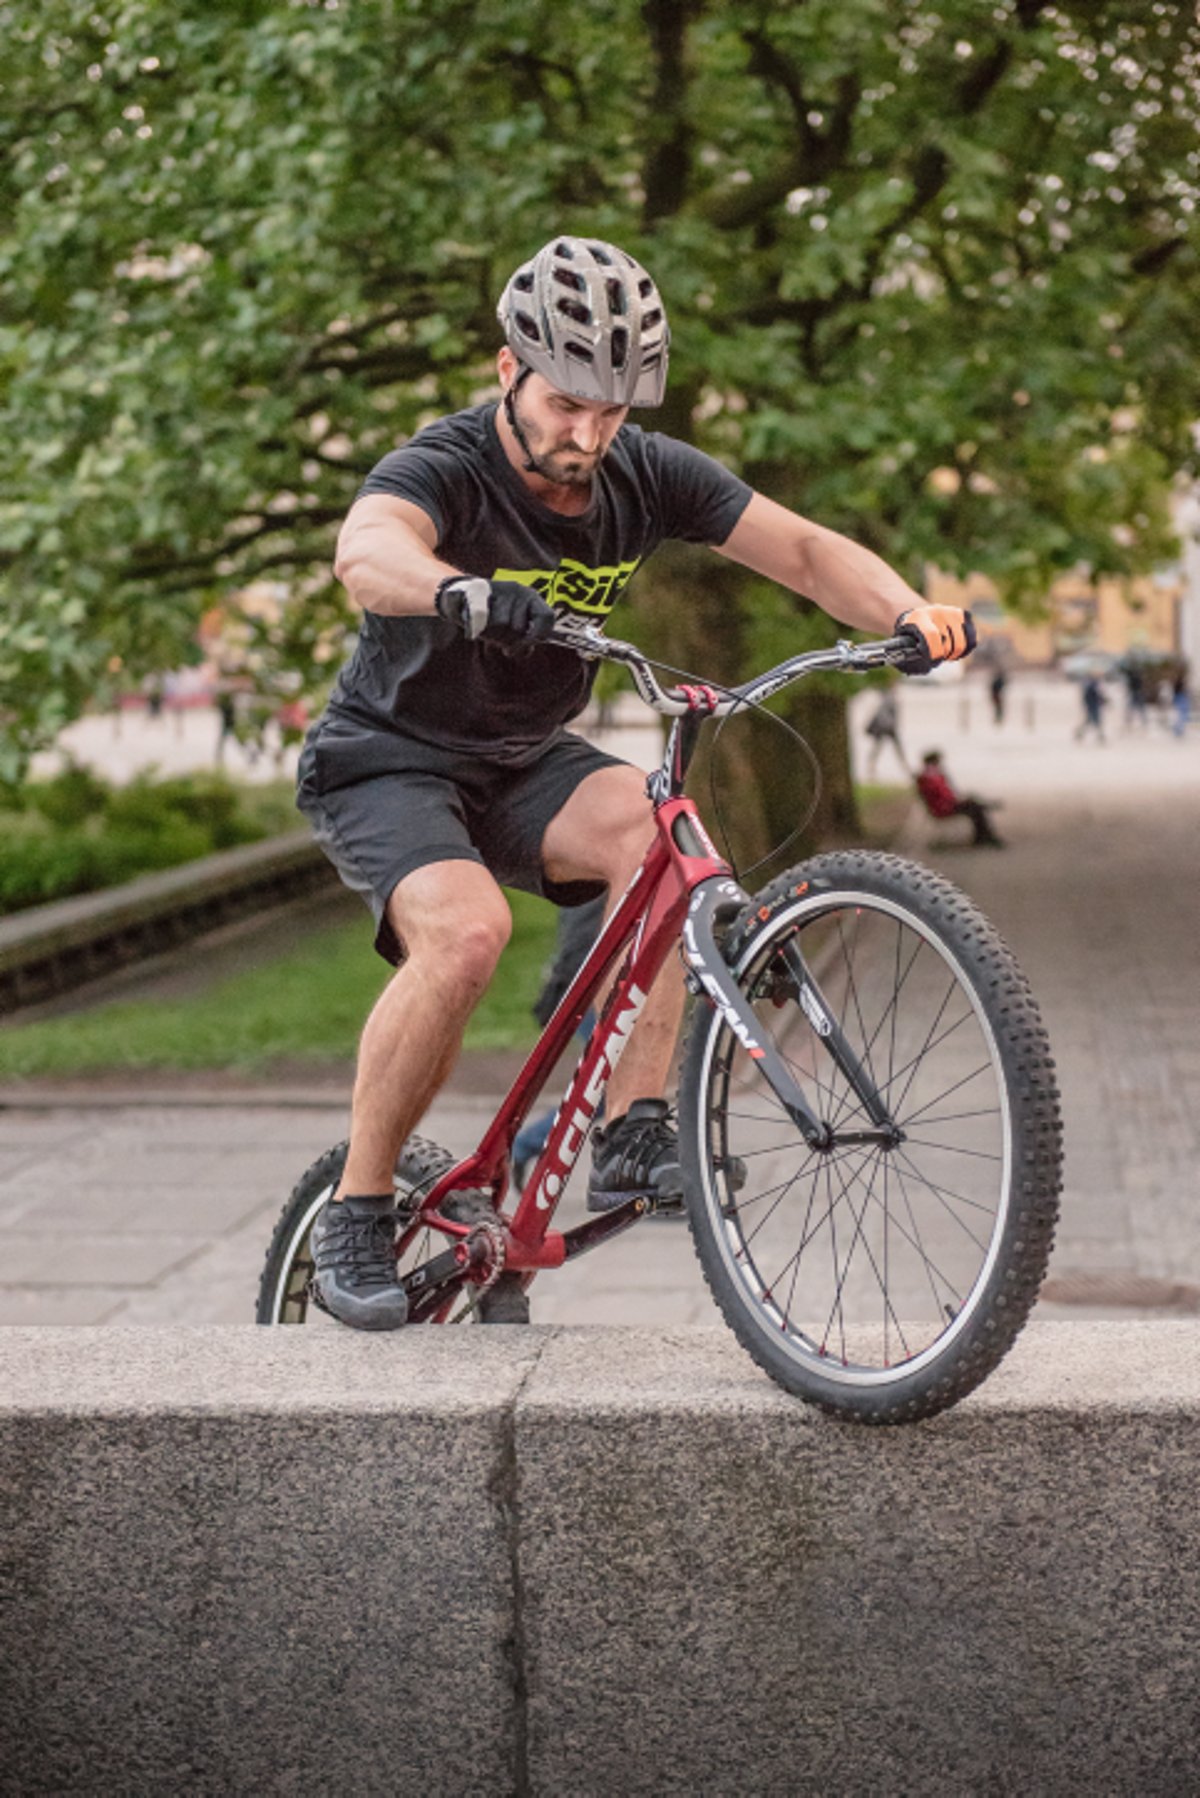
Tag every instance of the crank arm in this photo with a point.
(599, 1229)
(452, 1264)
(713, 901)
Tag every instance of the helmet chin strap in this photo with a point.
(510, 412)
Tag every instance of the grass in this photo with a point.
(307, 1005)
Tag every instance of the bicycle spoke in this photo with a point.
(885, 1290)
(953, 1117)
(931, 1041)
(942, 1193)
(853, 994)
(949, 1148)
(985, 1068)
(926, 1263)
(892, 1007)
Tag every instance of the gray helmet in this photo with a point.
(588, 317)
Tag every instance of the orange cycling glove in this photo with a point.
(944, 633)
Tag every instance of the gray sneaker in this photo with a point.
(353, 1245)
(637, 1156)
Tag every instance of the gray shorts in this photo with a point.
(381, 806)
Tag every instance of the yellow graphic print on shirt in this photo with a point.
(574, 584)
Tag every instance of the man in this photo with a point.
(941, 801)
(442, 767)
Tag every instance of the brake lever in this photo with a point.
(579, 634)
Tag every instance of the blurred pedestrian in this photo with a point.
(1094, 701)
(1135, 696)
(883, 726)
(227, 713)
(996, 687)
(942, 801)
(1181, 703)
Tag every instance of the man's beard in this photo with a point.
(553, 465)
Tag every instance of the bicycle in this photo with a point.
(868, 1117)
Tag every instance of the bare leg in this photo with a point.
(454, 922)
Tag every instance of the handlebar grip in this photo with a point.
(913, 655)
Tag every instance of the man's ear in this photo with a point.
(506, 367)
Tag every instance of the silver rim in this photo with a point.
(295, 1247)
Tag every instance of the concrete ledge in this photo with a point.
(589, 1562)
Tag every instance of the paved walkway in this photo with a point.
(115, 1207)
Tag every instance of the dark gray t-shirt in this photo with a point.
(421, 678)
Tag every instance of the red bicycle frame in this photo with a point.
(646, 922)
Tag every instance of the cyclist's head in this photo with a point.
(588, 318)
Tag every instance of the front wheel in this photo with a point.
(880, 1280)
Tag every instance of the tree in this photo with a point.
(931, 272)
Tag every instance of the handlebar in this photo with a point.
(589, 641)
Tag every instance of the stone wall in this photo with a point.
(585, 1561)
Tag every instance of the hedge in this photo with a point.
(79, 834)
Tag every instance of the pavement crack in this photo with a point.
(504, 1489)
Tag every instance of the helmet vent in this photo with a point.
(620, 346)
(579, 351)
(601, 254)
(575, 309)
(652, 318)
(524, 281)
(570, 277)
(617, 301)
(527, 326)
(645, 287)
(563, 248)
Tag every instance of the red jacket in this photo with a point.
(941, 801)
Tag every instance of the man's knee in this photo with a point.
(454, 926)
(475, 944)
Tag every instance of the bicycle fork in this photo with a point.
(714, 902)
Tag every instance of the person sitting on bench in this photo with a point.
(941, 801)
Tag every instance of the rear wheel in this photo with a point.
(285, 1292)
(880, 1281)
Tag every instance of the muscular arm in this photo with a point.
(386, 557)
(852, 584)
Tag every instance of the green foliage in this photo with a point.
(78, 834)
(245, 249)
